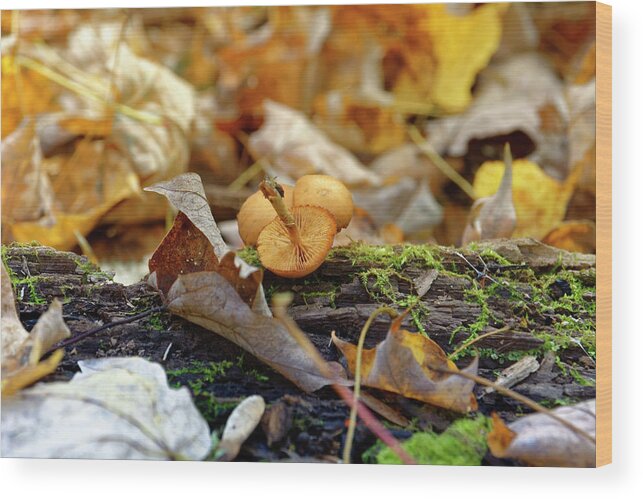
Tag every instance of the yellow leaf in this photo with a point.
(24, 93)
(29, 374)
(21, 351)
(574, 236)
(462, 46)
(540, 200)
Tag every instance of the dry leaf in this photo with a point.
(153, 90)
(362, 125)
(82, 195)
(500, 106)
(209, 300)
(201, 246)
(493, 217)
(462, 45)
(295, 148)
(407, 205)
(403, 364)
(228, 301)
(540, 201)
(276, 61)
(26, 191)
(185, 192)
(24, 92)
(574, 236)
(116, 408)
(183, 250)
(241, 423)
(539, 440)
(21, 351)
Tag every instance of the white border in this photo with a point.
(102, 479)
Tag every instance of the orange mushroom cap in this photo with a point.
(257, 212)
(286, 257)
(327, 192)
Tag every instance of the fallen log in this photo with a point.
(543, 300)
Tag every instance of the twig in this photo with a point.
(279, 303)
(352, 421)
(441, 163)
(470, 342)
(520, 398)
(91, 332)
(247, 175)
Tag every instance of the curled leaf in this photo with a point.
(540, 440)
(493, 217)
(21, 351)
(208, 299)
(407, 363)
(540, 201)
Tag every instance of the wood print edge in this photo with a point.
(603, 234)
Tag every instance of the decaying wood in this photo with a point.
(338, 297)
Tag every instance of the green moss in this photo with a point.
(156, 322)
(331, 294)
(250, 256)
(377, 283)
(196, 377)
(464, 443)
(250, 371)
(205, 372)
(396, 257)
(29, 283)
(91, 272)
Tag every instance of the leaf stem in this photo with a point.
(352, 421)
(520, 398)
(279, 303)
(441, 163)
(470, 342)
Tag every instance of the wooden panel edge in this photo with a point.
(603, 234)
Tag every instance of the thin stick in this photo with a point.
(247, 175)
(91, 332)
(279, 304)
(80, 89)
(470, 342)
(352, 421)
(438, 161)
(520, 398)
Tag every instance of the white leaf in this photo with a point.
(116, 408)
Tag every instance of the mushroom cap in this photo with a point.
(327, 192)
(279, 254)
(257, 212)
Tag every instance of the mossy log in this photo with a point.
(544, 297)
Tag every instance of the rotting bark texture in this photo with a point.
(544, 296)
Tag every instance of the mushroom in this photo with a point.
(256, 212)
(296, 242)
(327, 192)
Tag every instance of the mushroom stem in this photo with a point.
(273, 193)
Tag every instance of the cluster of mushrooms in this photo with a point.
(293, 228)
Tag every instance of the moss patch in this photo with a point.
(197, 376)
(250, 256)
(396, 257)
(464, 443)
